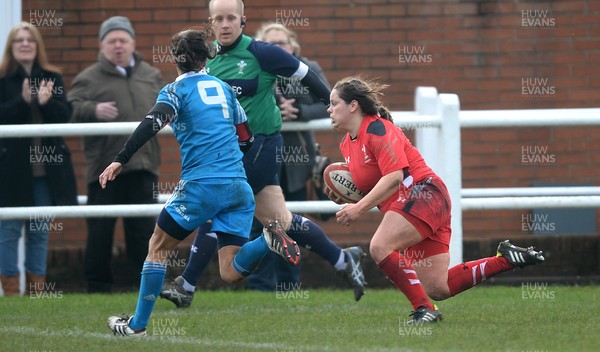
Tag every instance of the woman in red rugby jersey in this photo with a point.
(411, 244)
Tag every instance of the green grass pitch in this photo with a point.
(533, 317)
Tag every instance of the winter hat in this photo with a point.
(114, 23)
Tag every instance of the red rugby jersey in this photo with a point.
(379, 149)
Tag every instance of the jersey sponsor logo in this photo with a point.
(237, 89)
(243, 87)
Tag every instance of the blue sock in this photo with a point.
(153, 275)
(250, 255)
(203, 249)
(309, 235)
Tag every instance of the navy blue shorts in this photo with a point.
(263, 160)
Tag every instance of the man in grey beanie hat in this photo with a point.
(116, 22)
(119, 87)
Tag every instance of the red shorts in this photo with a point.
(427, 206)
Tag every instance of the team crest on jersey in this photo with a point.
(347, 160)
(242, 65)
(367, 158)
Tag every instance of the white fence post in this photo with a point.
(427, 138)
(440, 147)
(450, 154)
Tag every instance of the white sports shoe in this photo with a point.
(120, 326)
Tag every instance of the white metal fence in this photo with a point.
(437, 121)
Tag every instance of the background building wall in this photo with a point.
(494, 55)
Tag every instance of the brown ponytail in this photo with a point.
(384, 113)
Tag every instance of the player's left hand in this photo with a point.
(348, 214)
(334, 198)
(110, 173)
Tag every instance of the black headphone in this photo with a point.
(242, 22)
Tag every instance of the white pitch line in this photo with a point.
(169, 339)
(77, 333)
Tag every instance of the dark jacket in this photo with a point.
(16, 156)
(298, 169)
(134, 95)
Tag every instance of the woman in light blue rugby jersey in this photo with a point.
(211, 128)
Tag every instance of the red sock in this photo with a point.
(463, 276)
(399, 270)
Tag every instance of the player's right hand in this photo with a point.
(109, 173)
(107, 111)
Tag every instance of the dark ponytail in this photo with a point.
(384, 113)
(191, 49)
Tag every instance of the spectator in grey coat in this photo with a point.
(119, 87)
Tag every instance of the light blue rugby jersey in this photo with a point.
(206, 113)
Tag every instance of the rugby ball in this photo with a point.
(337, 177)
